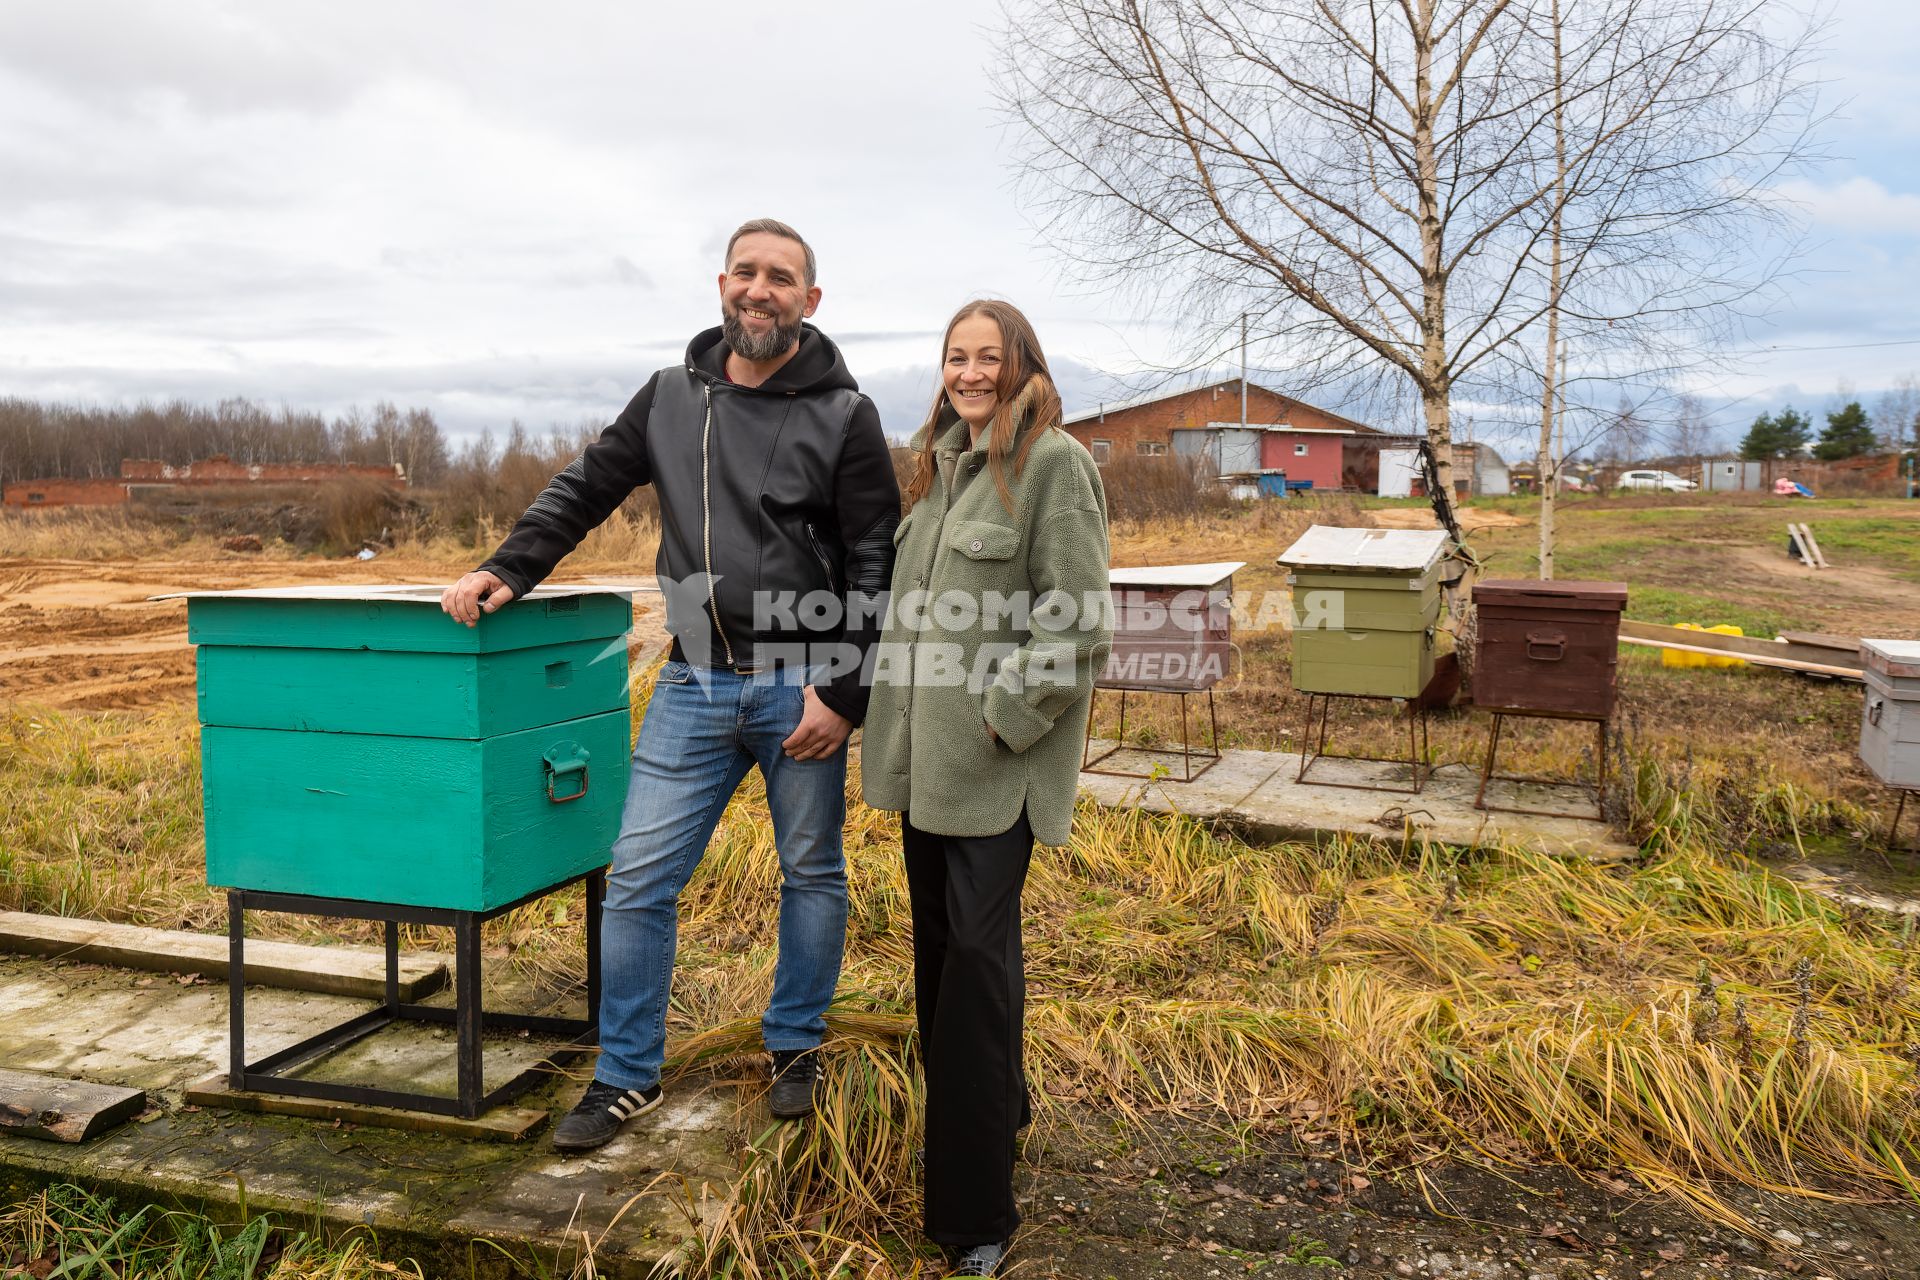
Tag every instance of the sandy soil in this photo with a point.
(84, 635)
(1472, 520)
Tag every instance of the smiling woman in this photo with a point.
(973, 736)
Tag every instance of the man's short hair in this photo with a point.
(774, 227)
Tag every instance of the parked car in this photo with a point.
(1655, 482)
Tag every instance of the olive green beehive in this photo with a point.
(1364, 607)
(358, 743)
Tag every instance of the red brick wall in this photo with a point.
(64, 493)
(208, 471)
(1126, 429)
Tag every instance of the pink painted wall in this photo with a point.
(1320, 464)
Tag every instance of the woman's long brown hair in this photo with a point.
(1024, 392)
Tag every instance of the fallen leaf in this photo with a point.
(1359, 1182)
(1565, 1237)
(1674, 1252)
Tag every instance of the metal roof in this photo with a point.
(1281, 428)
(1119, 406)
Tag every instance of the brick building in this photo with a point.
(1145, 427)
(137, 474)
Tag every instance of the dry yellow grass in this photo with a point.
(1410, 999)
(1689, 1018)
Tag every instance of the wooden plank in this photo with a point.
(55, 1109)
(1752, 648)
(1849, 645)
(1785, 664)
(343, 971)
(1813, 544)
(1800, 545)
(502, 1124)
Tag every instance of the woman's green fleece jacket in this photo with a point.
(997, 617)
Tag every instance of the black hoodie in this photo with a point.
(784, 489)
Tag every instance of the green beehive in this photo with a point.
(358, 743)
(1364, 607)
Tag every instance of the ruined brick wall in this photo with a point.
(149, 474)
(223, 470)
(64, 493)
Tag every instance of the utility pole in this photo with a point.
(1243, 371)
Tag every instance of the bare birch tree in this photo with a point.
(1376, 182)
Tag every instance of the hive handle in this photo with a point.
(1539, 642)
(1874, 708)
(562, 759)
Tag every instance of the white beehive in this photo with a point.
(1890, 720)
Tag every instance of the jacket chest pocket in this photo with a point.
(983, 542)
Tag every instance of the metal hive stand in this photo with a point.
(1187, 753)
(1313, 747)
(467, 1015)
(1601, 724)
(1893, 828)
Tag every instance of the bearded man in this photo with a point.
(775, 487)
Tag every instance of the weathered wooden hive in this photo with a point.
(1172, 627)
(358, 743)
(1365, 604)
(1547, 647)
(1890, 719)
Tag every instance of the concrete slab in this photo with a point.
(1254, 793)
(502, 1124)
(427, 1194)
(344, 971)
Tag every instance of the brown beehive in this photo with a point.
(1547, 647)
(1172, 627)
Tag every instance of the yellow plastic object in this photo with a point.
(1681, 658)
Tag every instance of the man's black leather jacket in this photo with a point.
(785, 488)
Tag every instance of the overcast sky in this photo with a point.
(498, 212)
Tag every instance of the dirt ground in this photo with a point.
(1184, 1202)
(84, 635)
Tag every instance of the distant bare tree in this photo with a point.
(1691, 433)
(1377, 182)
(1626, 437)
(1898, 413)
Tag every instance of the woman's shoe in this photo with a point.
(982, 1260)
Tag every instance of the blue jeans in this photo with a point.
(703, 731)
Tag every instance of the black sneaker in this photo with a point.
(599, 1115)
(794, 1073)
(982, 1260)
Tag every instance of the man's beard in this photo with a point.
(774, 344)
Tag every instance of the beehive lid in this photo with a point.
(403, 617)
(405, 592)
(1560, 593)
(1409, 551)
(1176, 575)
(1899, 659)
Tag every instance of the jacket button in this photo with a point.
(974, 546)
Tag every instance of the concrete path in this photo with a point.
(1254, 792)
(426, 1195)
